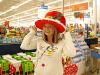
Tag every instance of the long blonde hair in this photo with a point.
(56, 36)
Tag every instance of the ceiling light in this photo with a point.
(26, 13)
(15, 7)
(53, 2)
(25, 16)
(0, 0)
(30, 9)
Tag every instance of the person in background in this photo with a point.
(3, 31)
(49, 47)
(81, 32)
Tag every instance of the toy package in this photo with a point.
(4, 66)
(13, 40)
(8, 39)
(0, 40)
(4, 40)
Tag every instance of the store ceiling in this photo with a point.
(27, 10)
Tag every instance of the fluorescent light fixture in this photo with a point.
(98, 2)
(26, 13)
(53, 2)
(25, 16)
(30, 9)
(0, 0)
(15, 7)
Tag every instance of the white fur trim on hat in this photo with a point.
(57, 21)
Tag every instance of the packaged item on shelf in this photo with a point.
(0, 40)
(12, 33)
(27, 66)
(27, 55)
(17, 33)
(20, 39)
(70, 69)
(31, 54)
(8, 39)
(79, 58)
(4, 66)
(16, 39)
(13, 40)
(4, 40)
(15, 66)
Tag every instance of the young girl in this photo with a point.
(50, 47)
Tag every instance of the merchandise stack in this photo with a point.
(79, 59)
(11, 40)
(16, 64)
(4, 66)
(69, 68)
(12, 33)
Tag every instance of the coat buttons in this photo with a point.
(43, 65)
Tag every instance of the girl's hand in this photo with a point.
(67, 30)
(34, 28)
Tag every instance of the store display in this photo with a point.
(79, 59)
(4, 66)
(70, 65)
(11, 40)
(80, 14)
(17, 65)
(12, 33)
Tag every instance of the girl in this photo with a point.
(50, 47)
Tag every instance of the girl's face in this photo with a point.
(2, 30)
(48, 29)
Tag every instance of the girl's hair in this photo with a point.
(56, 36)
(2, 26)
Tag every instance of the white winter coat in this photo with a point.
(49, 64)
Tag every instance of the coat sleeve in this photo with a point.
(68, 48)
(29, 43)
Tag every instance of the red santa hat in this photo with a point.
(55, 18)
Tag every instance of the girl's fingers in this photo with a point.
(34, 28)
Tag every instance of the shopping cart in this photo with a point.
(91, 62)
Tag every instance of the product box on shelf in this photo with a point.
(15, 66)
(13, 40)
(8, 39)
(4, 40)
(16, 39)
(27, 55)
(20, 39)
(4, 66)
(0, 40)
(27, 66)
(69, 68)
(79, 58)
(18, 65)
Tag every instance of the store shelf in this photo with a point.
(12, 33)
(12, 30)
(8, 43)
